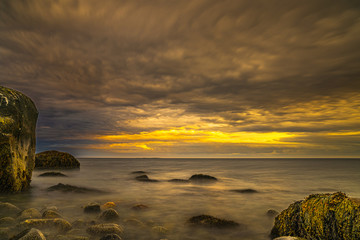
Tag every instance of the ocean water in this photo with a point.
(279, 183)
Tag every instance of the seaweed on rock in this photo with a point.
(320, 216)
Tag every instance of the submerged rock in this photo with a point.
(134, 222)
(52, 174)
(81, 223)
(92, 208)
(212, 222)
(8, 209)
(56, 159)
(109, 215)
(139, 172)
(30, 234)
(272, 213)
(4, 233)
(103, 229)
(247, 190)
(18, 116)
(111, 237)
(145, 178)
(58, 224)
(28, 214)
(159, 230)
(176, 180)
(69, 188)
(139, 207)
(7, 221)
(51, 214)
(70, 237)
(320, 216)
(202, 177)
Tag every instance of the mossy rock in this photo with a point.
(58, 224)
(320, 216)
(104, 229)
(18, 116)
(30, 234)
(55, 160)
(109, 215)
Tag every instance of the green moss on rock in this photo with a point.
(18, 116)
(320, 216)
(56, 159)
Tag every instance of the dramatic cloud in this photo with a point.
(187, 78)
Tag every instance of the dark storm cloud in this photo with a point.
(95, 67)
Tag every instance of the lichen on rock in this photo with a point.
(18, 116)
(320, 216)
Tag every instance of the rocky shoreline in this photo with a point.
(99, 222)
(319, 216)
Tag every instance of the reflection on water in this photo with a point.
(279, 182)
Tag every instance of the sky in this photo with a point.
(193, 78)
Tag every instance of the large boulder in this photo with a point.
(56, 159)
(18, 116)
(320, 216)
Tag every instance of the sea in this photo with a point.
(277, 182)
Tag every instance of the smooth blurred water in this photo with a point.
(279, 182)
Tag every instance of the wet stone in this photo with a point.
(202, 177)
(30, 234)
(247, 190)
(92, 208)
(104, 229)
(4, 233)
(159, 230)
(8, 209)
(111, 237)
(58, 224)
(52, 174)
(7, 221)
(108, 205)
(30, 213)
(145, 178)
(139, 172)
(272, 213)
(176, 180)
(212, 222)
(109, 215)
(69, 188)
(134, 222)
(139, 207)
(51, 214)
(70, 237)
